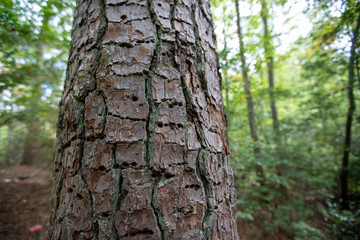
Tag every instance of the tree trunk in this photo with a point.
(268, 49)
(142, 149)
(31, 144)
(250, 105)
(226, 77)
(349, 118)
(8, 146)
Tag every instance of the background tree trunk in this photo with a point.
(142, 147)
(347, 140)
(31, 144)
(250, 105)
(226, 77)
(269, 51)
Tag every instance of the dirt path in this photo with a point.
(24, 202)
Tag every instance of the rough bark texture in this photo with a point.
(142, 149)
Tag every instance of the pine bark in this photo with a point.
(142, 150)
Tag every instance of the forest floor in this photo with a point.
(25, 193)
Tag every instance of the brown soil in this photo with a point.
(24, 202)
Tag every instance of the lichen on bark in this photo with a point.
(142, 149)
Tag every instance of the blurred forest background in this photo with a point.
(291, 87)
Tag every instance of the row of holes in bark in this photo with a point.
(171, 105)
(171, 125)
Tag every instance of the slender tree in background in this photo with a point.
(225, 66)
(142, 147)
(269, 52)
(31, 144)
(225, 57)
(350, 113)
(250, 105)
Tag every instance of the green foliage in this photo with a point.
(304, 231)
(34, 38)
(302, 168)
(344, 224)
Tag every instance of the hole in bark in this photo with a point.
(141, 232)
(169, 175)
(125, 164)
(116, 165)
(160, 124)
(102, 168)
(155, 174)
(105, 215)
(145, 72)
(76, 235)
(127, 45)
(57, 170)
(133, 164)
(163, 54)
(123, 17)
(195, 186)
(171, 106)
(82, 22)
(180, 104)
(70, 190)
(159, 4)
(219, 165)
(180, 125)
(207, 32)
(79, 196)
(135, 98)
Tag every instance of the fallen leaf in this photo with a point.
(35, 228)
